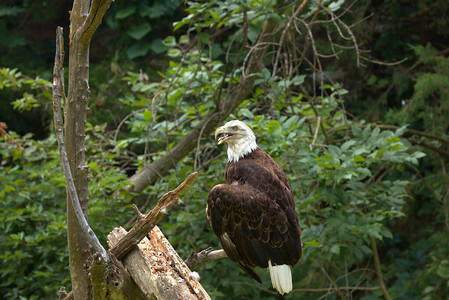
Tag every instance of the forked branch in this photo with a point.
(58, 95)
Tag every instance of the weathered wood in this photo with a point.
(157, 269)
(110, 280)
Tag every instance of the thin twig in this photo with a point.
(379, 270)
(278, 54)
(318, 122)
(445, 198)
(309, 100)
(334, 283)
(58, 94)
(3, 133)
(197, 154)
(429, 146)
(343, 288)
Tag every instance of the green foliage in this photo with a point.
(139, 20)
(348, 188)
(352, 182)
(354, 205)
(425, 110)
(428, 107)
(12, 79)
(167, 110)
(205, 15)
(34, 260)
(32, 219)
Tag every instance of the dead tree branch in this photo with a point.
(196, 259)
(148, 222)
(58, 94)
(158, 270)
(85, 17)
(3, 133)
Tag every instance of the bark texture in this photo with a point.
(85, 18)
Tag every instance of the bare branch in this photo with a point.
(343, 288)
(3, 133)
(58, 92)
(429, 146)
(278, 54)
(375, 61)
(146, 223)
(379, 270)
(334, 283)
(196, 259)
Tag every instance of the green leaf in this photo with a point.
(173, 52)
(138, 50)
(169, 41)
(443, 269)
(335, 249)
(298, 79)
(147, 115)
(334, 151)
(10, 11)
(157, 46)
(359, 158)
(184, 39)
(247, 113)
(24, 194)
(137, 32)
(347, 145)
(126, 12)
(401, 130)
(290, 122)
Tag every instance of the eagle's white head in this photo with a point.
(239, 137)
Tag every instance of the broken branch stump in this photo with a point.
(157, 269)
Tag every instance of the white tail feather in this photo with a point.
(281, 277)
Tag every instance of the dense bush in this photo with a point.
(356, 186)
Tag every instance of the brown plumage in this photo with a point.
(253, 214)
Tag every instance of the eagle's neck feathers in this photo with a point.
(240, 149)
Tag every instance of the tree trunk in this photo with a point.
(85, 18)
(75, 115)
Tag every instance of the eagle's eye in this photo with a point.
(235, 128)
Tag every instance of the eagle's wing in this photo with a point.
(255, 222)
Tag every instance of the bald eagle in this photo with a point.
(253, 213)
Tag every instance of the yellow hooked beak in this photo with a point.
(217, 132)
